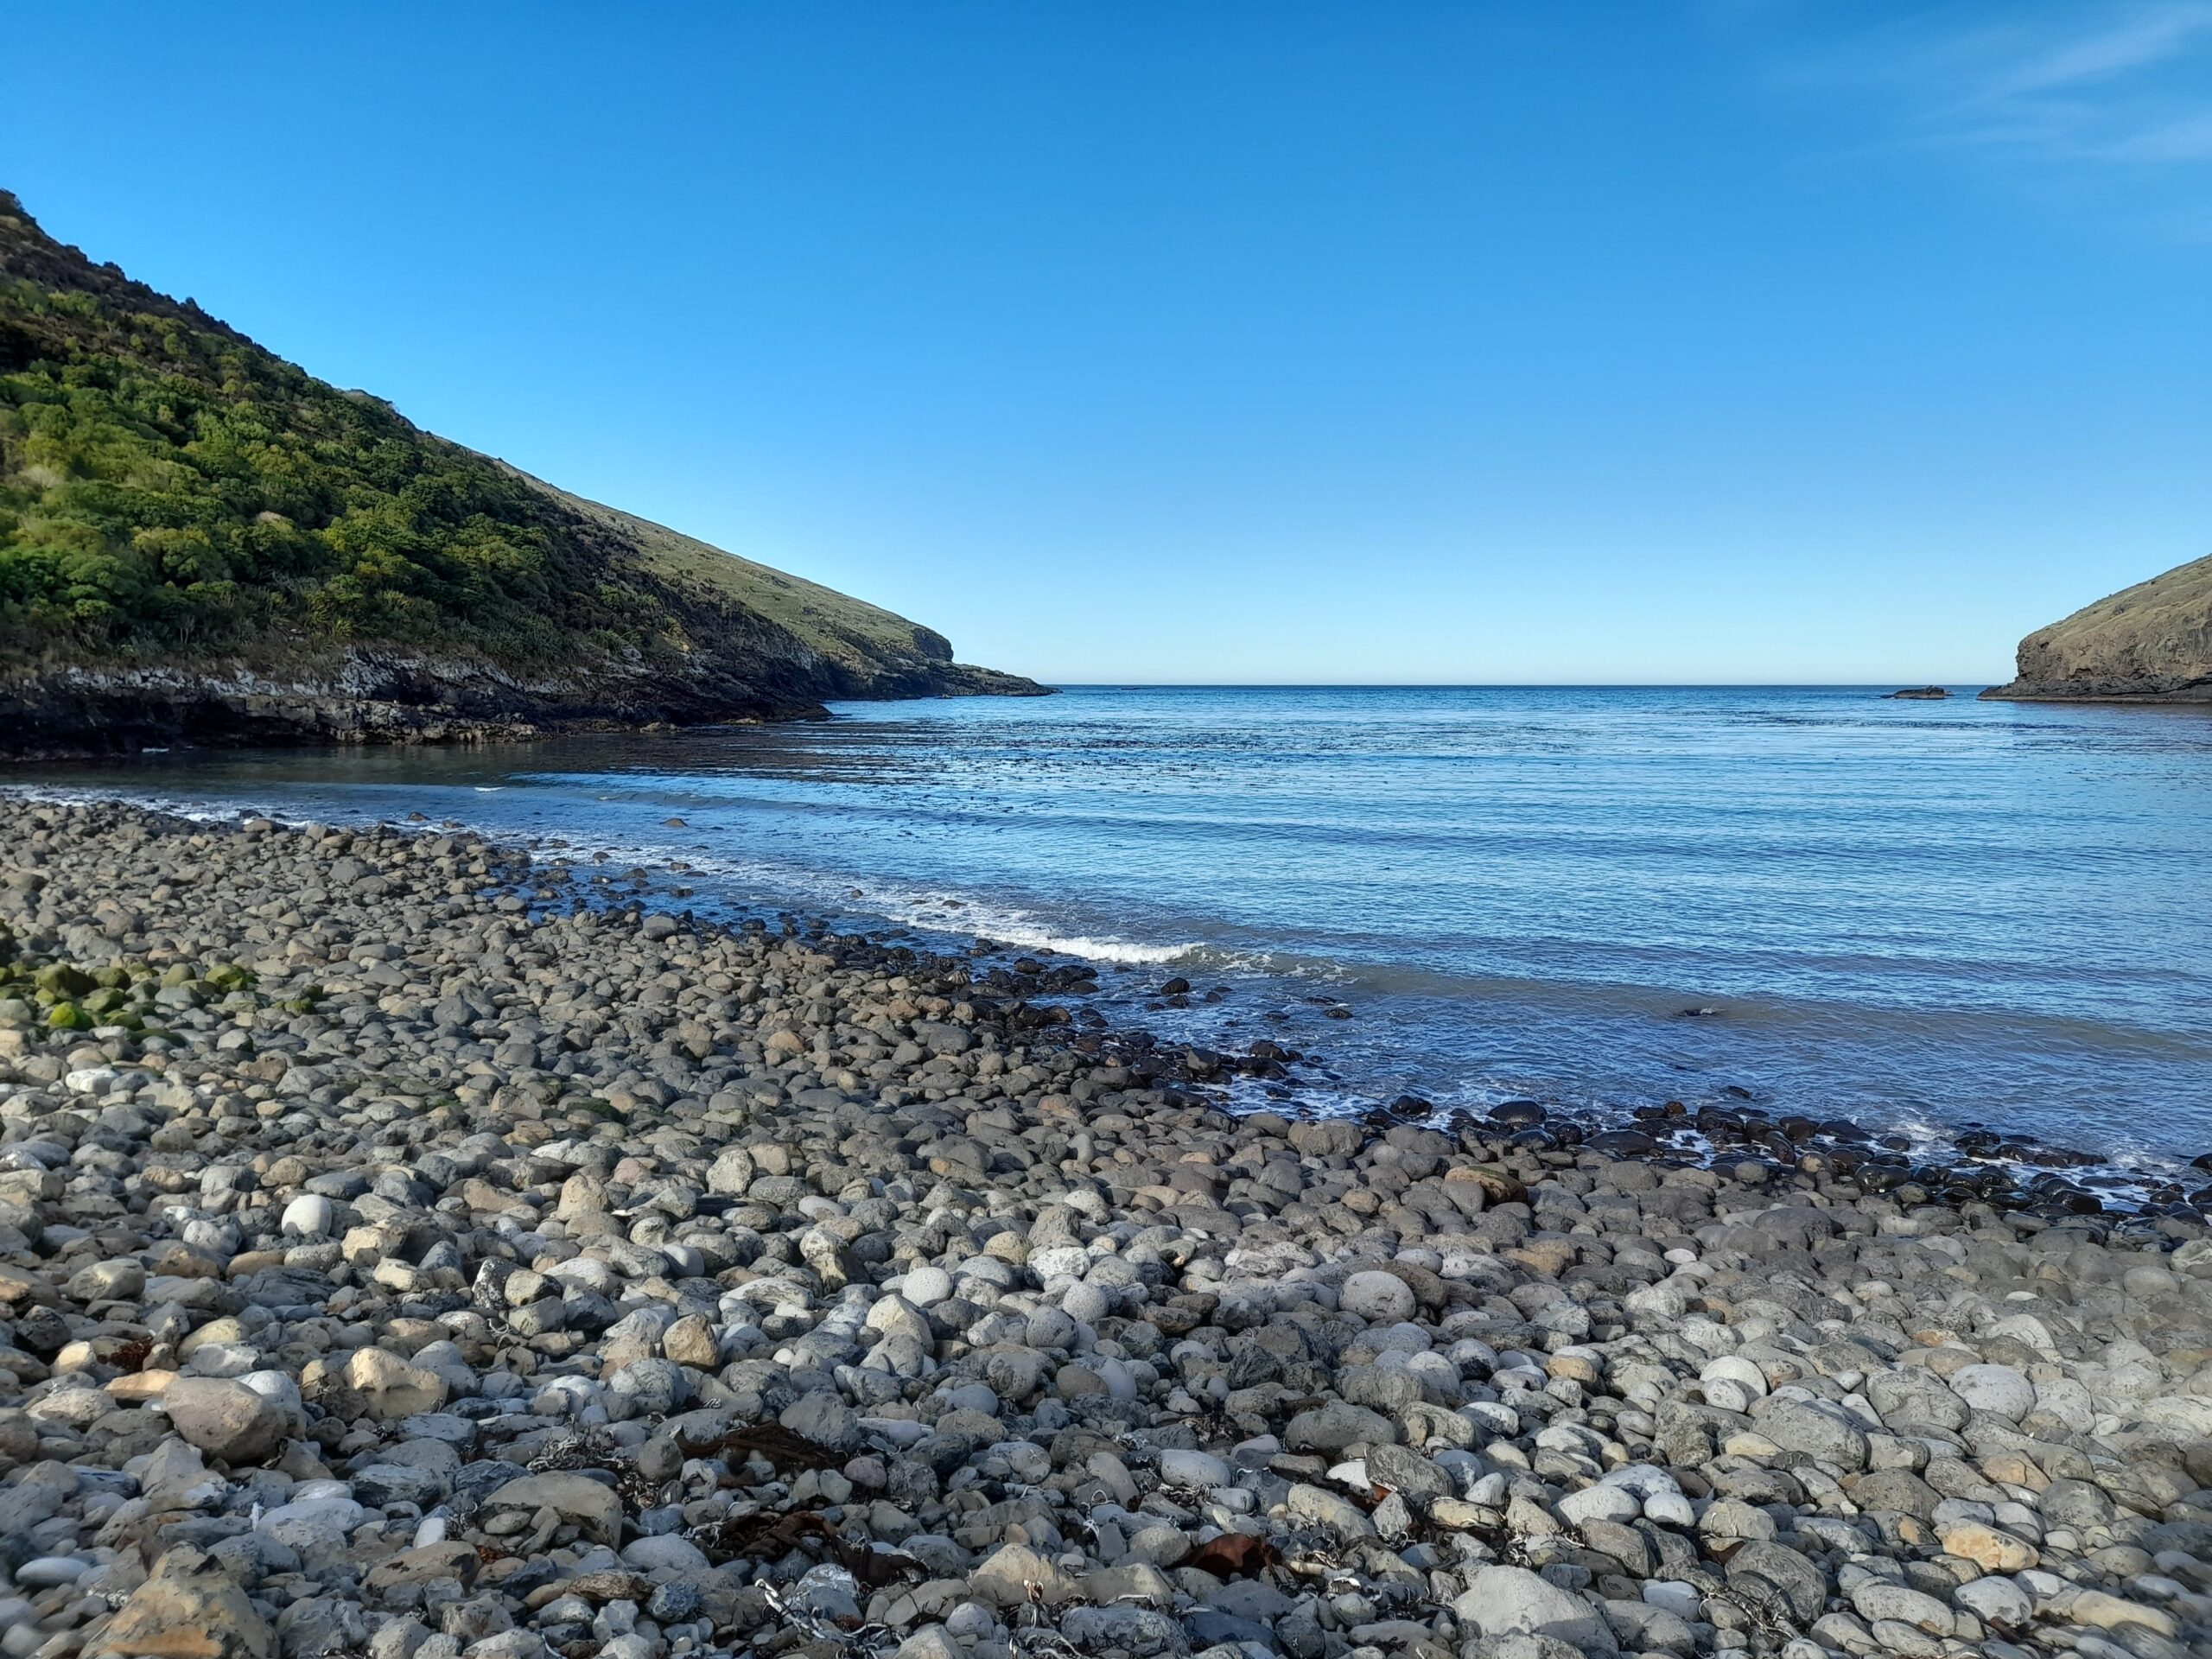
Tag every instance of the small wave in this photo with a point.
(943, 912)
(194, 811)
(931, 911)
(1081, 944)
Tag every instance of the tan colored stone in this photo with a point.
(364, 1246)
(2110, 1612)
(391, 1387)
(215, 1330)
(1757, 1447)
(2014, 1469)
(188, 1609)
(1989, 1548)
(690, 1341)
(17, 1287)
(1548, 1256)
(426, 1565)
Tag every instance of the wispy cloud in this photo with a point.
(2187, 139)
(2095, 49)
(2094, 82)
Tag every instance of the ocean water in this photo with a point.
(1919, 915)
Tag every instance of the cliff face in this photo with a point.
(2151, 642)
(201, 541)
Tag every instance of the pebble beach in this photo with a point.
(410, 1249)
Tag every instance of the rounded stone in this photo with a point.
(665, 1551)
(47, 1572)
(1991, 1548)
(1201, 1470)
(1503, 1601)
(1998, 1389)
(1379, 1297)
(926, 1286)
(224, 1419)
(1085, 1302)
(1736, 1369)
(1048, 1328)
(1598, 1503)
(1995, 1601)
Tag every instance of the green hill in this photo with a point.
(2151, 642)
(201, 540)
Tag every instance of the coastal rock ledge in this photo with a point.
(2151, 642)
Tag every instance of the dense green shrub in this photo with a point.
(173, 494)
(170, 486)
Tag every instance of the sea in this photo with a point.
(1925, 917)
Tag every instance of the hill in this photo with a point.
(199, 540)
(2151, 642)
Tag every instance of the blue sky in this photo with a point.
(1745, 340)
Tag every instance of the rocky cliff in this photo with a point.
(201, 541)
(2151, 642)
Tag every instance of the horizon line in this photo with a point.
(1498, 685)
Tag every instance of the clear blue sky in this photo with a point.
(1758, 340)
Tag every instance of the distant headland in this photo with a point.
(200, 540)
(2151, 642)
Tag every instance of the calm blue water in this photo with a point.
(1917, 914)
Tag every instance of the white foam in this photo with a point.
(1083, 944)
(932, 911)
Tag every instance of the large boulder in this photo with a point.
(593, 1505)
(1513, 1601)
(1014, 1575)
(224, 1419)
(189, 1609)
(391, 1387)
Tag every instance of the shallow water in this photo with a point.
(1917, 914)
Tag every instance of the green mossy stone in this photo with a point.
(67, 1016)
(62, 980)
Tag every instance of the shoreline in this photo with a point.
(1956, 1162)
(112, 715)
(436, 1256)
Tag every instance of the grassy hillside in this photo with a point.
(2149, 643)
(842, 628)
(179, 507)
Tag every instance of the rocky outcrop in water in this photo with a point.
(2151, 642)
